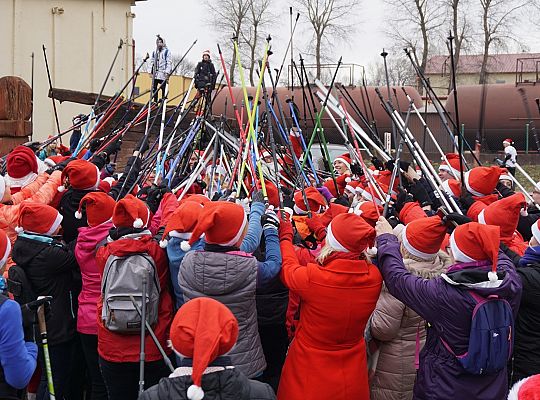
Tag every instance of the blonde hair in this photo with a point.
(327, 250)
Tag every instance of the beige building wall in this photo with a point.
(440, 82)
(81, 38)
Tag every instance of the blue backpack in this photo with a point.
(491, 339)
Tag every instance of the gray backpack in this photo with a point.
(122, 278)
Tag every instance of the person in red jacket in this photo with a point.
(327, 358)
(119, 353)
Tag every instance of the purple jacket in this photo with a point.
(85, 251)
(448, 310)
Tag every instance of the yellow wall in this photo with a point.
(440, 83)
(178, 85)
(81, 37)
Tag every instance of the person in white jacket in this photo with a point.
(161, 66)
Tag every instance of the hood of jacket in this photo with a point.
(28, 246)
(429, 269)
(90, 237)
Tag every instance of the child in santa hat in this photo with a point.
(224, 272)
(119, 353)
(50, 267)
(446, 303)
(203, 332)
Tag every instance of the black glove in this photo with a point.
(402, 198)
(377, 163)
(420, 193)
(142, 146)
(270, 220)
(95, 144)
(403, 165)
(113, 147)
(466, 200)
(453, 219)
(33, 145)
(356, 169)
(29, 316)
(155, 194)
(257, 197)
(60, 166)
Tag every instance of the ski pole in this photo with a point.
(43, 331)
(143, 336)
(52, 93)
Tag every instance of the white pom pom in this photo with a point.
(492, 276)
(138, 223)
(18, 229)
(371, 252)
(524, 212)
(61, 188)
(195, 392)
(78, 214)
(185, 246)
(163, 243)
(348, 179)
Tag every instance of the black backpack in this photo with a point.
(19, 285)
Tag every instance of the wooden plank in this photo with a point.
(75, 96)
(12, 128)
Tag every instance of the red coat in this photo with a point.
(327, 358)
(116, 347)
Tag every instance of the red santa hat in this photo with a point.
(350, 233)
(475, 242)
(452, 187)
(202, 330)
(21, 162)
(197, 198)
(222, 223)
(366, 194)
(345, 158)
(526, 389)
(351, 186)
(315, 200)
(423, 237)
(99, 208)
(384, 179)
(481, 181)
(272, 193)
(368, 212)
(505, 175)
(181, 223)
(452, 166)
(38, 218)
(341, 182)
(5, 247)
(81, 175)
(130, 212)
(509, 141)
(504, 213)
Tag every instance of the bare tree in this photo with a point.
(228, 18)
(400, 72)
(499, 19)
(329, 19)
(414, 25)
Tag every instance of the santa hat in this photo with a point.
(423, 237)
(368, 211)
(351, 186)
(99, 208)
(106, 184)
(181, 223)
(505, 175)
(202, 330)
(384, 179)
(366, 194)
(314, 199)
(272, 193)
(206, 53)
(130, 212)
(452, 187)
(350, 233)
(197, 198)
(21, 162)
(82, 175)
(509, 141)
(473, 242)
(341, 182)
(222, 223)
(38, 218)
(452, 166)
(5, 247)
(504, 213)
(481, 181)
(345, 158)
(526, 389)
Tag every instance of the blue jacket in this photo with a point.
(176, 255)
(17, 357)
(253, 237)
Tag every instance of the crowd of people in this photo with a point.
(116, 289)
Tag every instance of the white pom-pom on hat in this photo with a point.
(19, 229)
(492, 276)
(138, 223)
(78, 214)
(163, 243)
(348, 179)
(61, 188)
(195, 392)
(185, 246)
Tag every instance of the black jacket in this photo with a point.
(526, 359)
(52, 270)
(205, 74)
(229, 384)
(525, 222)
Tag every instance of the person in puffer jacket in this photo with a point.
(400, 331)
(203, 332)
(222, 271)
(50, 268)
(119, 353)
(99, 208)
(447, 306)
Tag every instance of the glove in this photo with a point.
(94, 145)
(113, 147)
(142, 146)
(29, 316)
(356, 169)
(402, 198)
(454, 219)
(377, 163)
(315, 225)
(257, 197)
(286, 231)
(325, 192)
(420, 193)
(155, 194)
(270, 220)
(466, 200)
(60, 166)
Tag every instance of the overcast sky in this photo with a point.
(181, 22)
